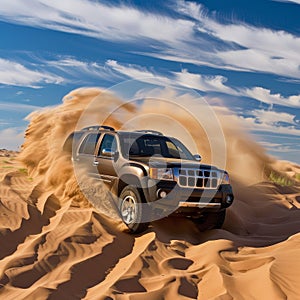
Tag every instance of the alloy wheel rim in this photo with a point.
(128, 209)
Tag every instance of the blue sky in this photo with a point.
(243, 52)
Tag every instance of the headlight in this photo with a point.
(161, 173)
(225, 179)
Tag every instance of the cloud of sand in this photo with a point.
(48, 129)
(211, 130)
(66, 243)
(42, 150)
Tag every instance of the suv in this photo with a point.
(152, 176)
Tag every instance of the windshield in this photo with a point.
(136, 145)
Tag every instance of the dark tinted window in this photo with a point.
(72, 141)
(89, 143)
(149, 145)
(109, 143)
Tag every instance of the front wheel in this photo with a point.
(132, 209)
(213, 220)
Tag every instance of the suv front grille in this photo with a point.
(196, 178)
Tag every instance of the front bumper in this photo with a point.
(198, 205)
(188, 201)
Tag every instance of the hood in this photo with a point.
(163, 162)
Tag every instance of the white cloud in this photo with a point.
(276, 147)
(59, 71)
(138, 73)
(246, 47)
(4, 122)
(293, 1)
(275, 44)
(255, 60)
(183, 78)
(271, 121)
(269, 145)
(229, 46)
(82, 70)
(95, 19)
(266, 96)
(11, 138)
(271, 117)
(203, 83)
(251, 124)
(18, 107)
(13, 73)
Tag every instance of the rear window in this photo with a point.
(73, 139)
(89, 144)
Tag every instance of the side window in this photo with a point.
(89, 143)
(181, 152)
(153, 146)
(72, 140)
(173, 151)
(108, 143)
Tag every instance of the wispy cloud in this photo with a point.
(90, 18)
(193, 37)
(12, 138)
(62, 70)
(293, 1)
(71, 68)
(138, 73)
(256, 120)
(18, 107)
(203, 83)
(266, 96)
(66, 69)
(247, 47)
(14, 73)
(278, 147)
(272, 121)
(183, 78)
(271, 117)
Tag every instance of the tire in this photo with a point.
(132, 209)
(213, 220)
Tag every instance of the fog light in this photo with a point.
(161, 193)
(228, 199)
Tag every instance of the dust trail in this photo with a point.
(42, 152)
(48, 129)
(53, 243)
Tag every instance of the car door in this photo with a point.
(85, 156)
(105, 159)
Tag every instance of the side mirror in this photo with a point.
(107, 152)
(197, 157)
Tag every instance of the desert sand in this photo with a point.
(55, 245)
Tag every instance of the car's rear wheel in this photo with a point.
(132, 209)
(212, 220)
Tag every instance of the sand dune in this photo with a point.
(55, 245)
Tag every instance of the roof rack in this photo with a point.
(150, 131)
(98, 127)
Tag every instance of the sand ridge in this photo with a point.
(56, 245)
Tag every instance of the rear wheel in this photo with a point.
(212, 220)
(132, 209)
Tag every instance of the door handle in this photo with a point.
(96, 163)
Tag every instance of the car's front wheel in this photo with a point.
(133, 209)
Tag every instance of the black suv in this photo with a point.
(152, 176)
